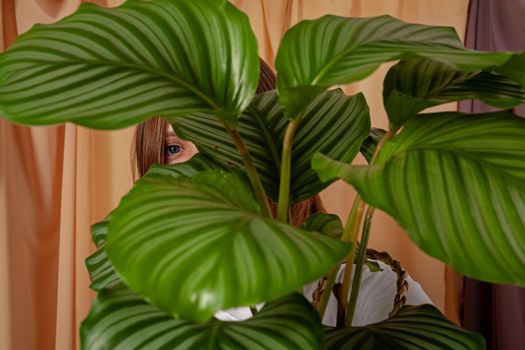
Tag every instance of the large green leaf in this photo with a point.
(334, 124)
(198, 163)
(120, 320)
(197, 245)
(113, 67)
(412, 327)
(456, 183)
(336, 50)
(412, 86)
(101, 272)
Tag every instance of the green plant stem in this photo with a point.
(286, 167)
(251, 171)
(354, 222)
(361, 257)
(349, 235)
(356, 282)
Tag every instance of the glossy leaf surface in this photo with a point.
(113, 67)
(197, 245)
(368, 148)
(328, 224)
(101, 272)
(456, 183)
(412, 327)
(412, 86)
(121, 320)
(334, 124)
(198, 163)
(331, 50)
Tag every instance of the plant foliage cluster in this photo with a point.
(195, 238)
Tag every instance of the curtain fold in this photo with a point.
(57, 181)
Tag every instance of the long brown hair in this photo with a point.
(149, 144)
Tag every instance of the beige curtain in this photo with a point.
(56, 181)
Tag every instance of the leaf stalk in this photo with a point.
(361, 257)
(286, 168)
(349, 235)
(356, 282)
(251, 171)
(353, 224)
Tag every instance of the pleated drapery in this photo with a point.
(56, 181)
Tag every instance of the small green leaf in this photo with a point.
(456, 183)
(412, 327)
(121, 320)
(368, 148)
(328, 224)
(334, 124)
(197, 245)
(317, 54)
(101, 272)
(412, 86)
(198, 163)
(373, 266)
(99, 232)
(113, 67)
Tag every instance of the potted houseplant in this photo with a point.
(184, 233)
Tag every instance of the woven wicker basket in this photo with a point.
(401, 285)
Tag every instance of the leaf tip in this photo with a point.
(321, 164)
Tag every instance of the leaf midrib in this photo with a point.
(345, 52)
(143, 68)
(269, 140)
(485, 164)
(458, 87)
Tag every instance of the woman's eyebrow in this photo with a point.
(171, 133)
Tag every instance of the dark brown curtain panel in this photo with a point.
(496, 311)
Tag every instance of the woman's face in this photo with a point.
(177, 150)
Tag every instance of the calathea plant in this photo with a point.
(194, 238)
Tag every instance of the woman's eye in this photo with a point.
(173, 149)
